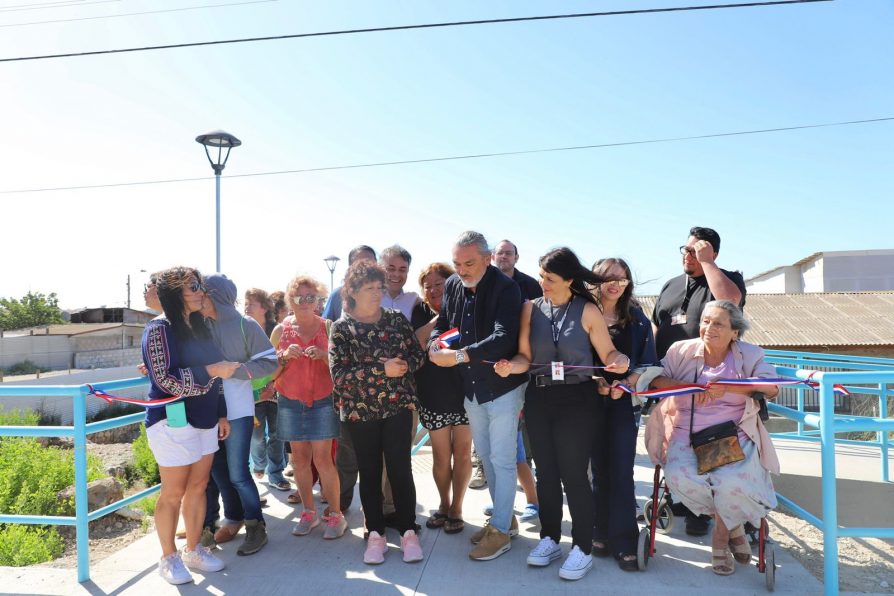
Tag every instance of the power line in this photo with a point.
(379, 164)
(49, 5)
(131, 14)
(411, 27)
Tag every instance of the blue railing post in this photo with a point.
(800, 398)
(830, 496)
(82, 530)
(883, 435)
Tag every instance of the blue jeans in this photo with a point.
(494, 427)
(267, 452)
(231, 477)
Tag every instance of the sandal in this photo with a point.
(722, 562)
(599, 549)
(454, 525)
(294, 498)
(627, 562)
(738, 543)
(437, 520)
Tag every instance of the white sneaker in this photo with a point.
(576, 565)
(172, 570)
(201, 559)
(544, 553)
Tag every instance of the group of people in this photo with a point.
(484, 356)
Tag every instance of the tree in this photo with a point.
(32, 310)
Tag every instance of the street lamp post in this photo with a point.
(331, 263)
(220, 140)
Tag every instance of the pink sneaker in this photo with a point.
(409, 543)
(376, 546)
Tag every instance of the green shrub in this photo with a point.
(147, 468)
(147, 505)
(25, 368)
(31, 476)
(115, 410)
(19, 418)
(26, 545)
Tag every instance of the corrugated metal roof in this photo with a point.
(816, 319)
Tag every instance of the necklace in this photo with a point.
(557, 325)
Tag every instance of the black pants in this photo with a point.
(389, 438)
(561, 420)
(346, 463)
(614, 450)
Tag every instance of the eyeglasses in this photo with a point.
(309, 299)
(147, 287)
(617, 283)
(686, 250)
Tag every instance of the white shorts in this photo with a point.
(182, 446)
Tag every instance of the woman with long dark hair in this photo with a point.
(182, 360)
(615, 530)
(559, 333)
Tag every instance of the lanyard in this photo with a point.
(558, 325)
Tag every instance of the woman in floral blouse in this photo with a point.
(373, 354)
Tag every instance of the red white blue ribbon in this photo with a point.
(448, 337)
(695, 388)
(145, 403)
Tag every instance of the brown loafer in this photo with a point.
(227, 532)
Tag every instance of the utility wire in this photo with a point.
(411, 27)
(131, 14)
(379, 164)
(48, 5)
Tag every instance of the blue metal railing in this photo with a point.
(867, 376)
(78, 432)
(860, 375)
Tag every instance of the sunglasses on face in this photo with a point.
(686, 250)
(617, 283)
(195, 286)
(147, 287)
(305, 299)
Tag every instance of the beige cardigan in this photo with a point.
(682, 361)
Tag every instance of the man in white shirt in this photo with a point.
(396, 262)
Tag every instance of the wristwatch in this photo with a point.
(460, 356)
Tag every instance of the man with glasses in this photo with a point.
(678, 311)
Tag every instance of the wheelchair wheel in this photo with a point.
(665, 521)
(643, 548)
(770, 567)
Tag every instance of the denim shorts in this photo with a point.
(296, 421)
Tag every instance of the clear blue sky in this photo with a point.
(774, 198)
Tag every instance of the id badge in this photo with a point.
(558, 371)
(679, 319)
(176, 413)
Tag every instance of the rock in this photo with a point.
(119, 525)
(99, 493)
(116, 471)
(885, 584)
(134, 514)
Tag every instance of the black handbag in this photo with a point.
(715, 446)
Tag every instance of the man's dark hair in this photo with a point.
(708, 235)
(514, 247)
(352, 256)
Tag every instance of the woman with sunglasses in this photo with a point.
(559, 335)
(615, 530)
(306, 416)
(182, 360)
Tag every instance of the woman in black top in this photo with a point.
(615, 530)
(441, 410)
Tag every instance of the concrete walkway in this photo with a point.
(290, 565)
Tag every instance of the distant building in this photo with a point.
(106, 314)
(854, 323)
(78, 345)
(839, 271)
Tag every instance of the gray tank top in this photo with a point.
(558, 335)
